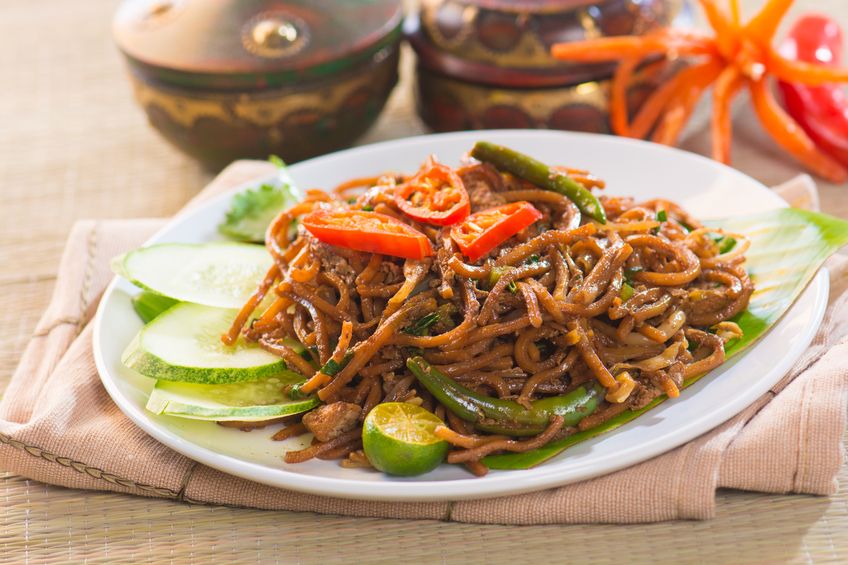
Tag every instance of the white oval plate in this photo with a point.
(644, 170)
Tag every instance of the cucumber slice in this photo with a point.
(213, 274)
(250, 402)
(149, 304)
(184, 344)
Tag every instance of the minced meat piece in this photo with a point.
(482, 183)
(332, 420)
(336, 259)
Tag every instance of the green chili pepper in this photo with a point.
(538, 173)
(504, 416)
(626, 292)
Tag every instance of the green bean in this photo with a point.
(541, 175)
(500, 416)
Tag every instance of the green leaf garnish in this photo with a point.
(277, 161)
(253, 209)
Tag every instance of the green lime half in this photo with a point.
(399, 439)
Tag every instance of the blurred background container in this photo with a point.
(487, 63)
(229, 79)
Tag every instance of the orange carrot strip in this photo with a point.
(315, 382)
(618, 96)
(685, 100)
(789, 135)
(735, 12)
(671, 125)
(280, 304)
(727, 85)
(650, 111)
(725, 35)
(617, 47)
(764, 24)
(804, 73)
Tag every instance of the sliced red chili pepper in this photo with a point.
(822, 111)
(435, 195)
(368, 231)
(483, 231)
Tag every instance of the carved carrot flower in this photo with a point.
(738, 55)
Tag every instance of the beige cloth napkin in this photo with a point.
(58, 425)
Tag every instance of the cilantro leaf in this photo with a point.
(253, 209)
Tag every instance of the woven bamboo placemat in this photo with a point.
(73, 145)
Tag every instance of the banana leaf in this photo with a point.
(787, 248)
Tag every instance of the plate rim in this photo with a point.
(454, 489)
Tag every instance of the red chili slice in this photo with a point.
(483, 231)
(368, 231)
(435, 195)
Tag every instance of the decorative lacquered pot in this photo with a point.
(487, 63)
(228, 79)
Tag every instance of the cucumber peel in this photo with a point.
(253, 209)
(253, 401)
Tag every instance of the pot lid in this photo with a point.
(252, 42)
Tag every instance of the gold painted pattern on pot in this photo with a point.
(448, 104)
(264, 109)
(539, 104)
